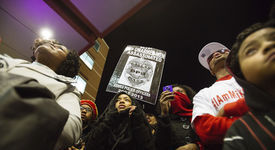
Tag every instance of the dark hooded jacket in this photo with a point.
(255, 130)
(117, 131)
(84, 136)
(174, 130)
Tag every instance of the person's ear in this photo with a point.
(212, 73)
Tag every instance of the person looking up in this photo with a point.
(89, 114)
(122, 126)
(252, 62)
(210, 104)
(174, 129)
(54, 67)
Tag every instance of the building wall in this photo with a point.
(93, 76)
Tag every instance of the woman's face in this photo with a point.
(123, 102)
(151, 119)
(86, 112)
(51, 54)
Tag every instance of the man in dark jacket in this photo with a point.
(122, 126)
(252, 62)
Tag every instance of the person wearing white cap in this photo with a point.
(213, 112)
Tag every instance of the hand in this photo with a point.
(221, 113)
(132, 108)
(164, 100)
(74, 148)
(190, 146)
(82, 147)
(237, 108)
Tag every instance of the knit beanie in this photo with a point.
(92, 105)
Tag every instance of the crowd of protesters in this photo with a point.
(235, 112)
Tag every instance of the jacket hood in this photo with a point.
(256, 98)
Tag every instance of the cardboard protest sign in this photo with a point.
(138, 73)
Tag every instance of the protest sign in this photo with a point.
(138, 73)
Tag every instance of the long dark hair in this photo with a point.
(70, 66)
(121, 130)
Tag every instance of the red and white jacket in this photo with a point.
(208, 102)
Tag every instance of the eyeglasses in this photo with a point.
(86, 108)
(222, 51)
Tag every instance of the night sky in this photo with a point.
(181, 28)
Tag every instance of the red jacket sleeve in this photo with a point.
(211, 129)
(237, 108)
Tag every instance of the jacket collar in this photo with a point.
(38, 67)
(227, 77)
(256, 98)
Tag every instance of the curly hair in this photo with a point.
(69, 67)
(232, 63)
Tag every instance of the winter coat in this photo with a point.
(66, 95)
(174, 131)
(256, 129)
(30, 118)
(117, 131)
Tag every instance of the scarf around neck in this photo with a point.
(181, 105)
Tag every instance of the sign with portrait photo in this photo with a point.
(138, 73)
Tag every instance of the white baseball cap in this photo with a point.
(208, 50)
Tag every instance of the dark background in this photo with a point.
(181, 28)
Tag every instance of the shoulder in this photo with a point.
(239, 127)
(7, 62)
(239, 135)
(231, 81)
(206, 90)
(217, 86)
(202, 93)
(10, 59)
